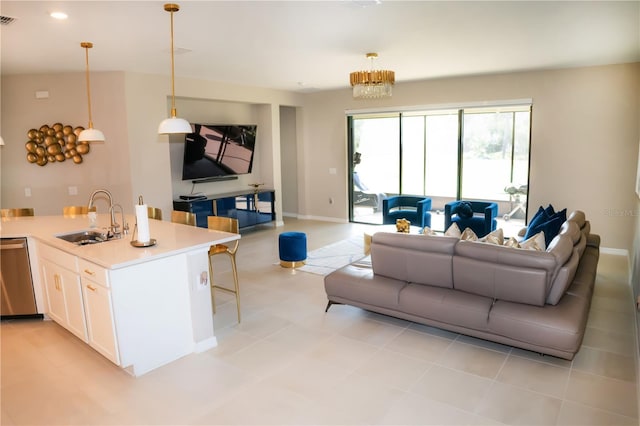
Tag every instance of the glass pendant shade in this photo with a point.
(173, 124)
(91, 135)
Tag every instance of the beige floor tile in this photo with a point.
(419, 345)
(414, 409)
(572, 414)
(612, 395)
(372, 332)
(609, 341)
(473, 359)
(515, 406)
(615, 322)
(393, 369)
(454, 387)
(603, 363)
(534, 376)
(361, 398)
(343, 352)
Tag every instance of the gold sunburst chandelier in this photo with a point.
(373, 83)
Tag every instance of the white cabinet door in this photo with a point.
(55, 296)
(100, 324)
(64, 295)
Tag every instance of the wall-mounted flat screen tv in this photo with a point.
(213, 151)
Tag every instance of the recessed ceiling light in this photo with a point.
(58, 15)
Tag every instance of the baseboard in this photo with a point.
(615, 251)
(205, 345)
(323, 218)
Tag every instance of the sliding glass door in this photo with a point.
(470, 153)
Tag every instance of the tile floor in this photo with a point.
(289, 363)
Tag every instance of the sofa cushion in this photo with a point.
(500, 272)
(559, 327)
(422, 259)
(446, 305)
(357, 283)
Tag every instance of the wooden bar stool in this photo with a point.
(17, 212)
(225, 224)
(184, 218)
(70, 211)
(154, 213)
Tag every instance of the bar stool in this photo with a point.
(184, 218)
(16, 212)
(226, 224)
(154, 213)
(71, 211)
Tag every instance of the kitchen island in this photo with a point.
(140, 307)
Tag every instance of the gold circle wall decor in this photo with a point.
(57, 143)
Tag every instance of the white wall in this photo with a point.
(105, 166)
(584, 139)
(134, 160)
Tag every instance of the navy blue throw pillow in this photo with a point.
(464, 210)
(548, 221)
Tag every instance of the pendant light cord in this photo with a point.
(86, 46)
(173, 89)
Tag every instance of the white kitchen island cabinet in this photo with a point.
(139, 307)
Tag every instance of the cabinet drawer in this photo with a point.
(93, 272)
(58, 257)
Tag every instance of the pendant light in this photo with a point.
(173, 124)
(90, 134)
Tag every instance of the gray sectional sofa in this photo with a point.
(535, 300)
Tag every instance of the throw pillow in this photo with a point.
(428, 231)
(464, 210)
(512, 242)
(550, 229)
(453, 231)
(537, 242)
(494, 237)
(469, 235)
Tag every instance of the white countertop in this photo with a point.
(171, 238)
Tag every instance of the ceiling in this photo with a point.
(314, 45)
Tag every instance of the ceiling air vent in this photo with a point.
(6, 20)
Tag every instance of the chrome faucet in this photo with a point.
(114, 226)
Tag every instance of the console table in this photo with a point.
(250, 207)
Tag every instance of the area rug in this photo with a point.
(334, 256)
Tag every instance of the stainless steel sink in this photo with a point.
(82, 238)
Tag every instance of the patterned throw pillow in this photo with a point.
(469, 235)
(512, 242)
(453, 231)
(537, 242)
(494, 237)
(428, 231)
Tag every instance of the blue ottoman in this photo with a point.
(293, 249)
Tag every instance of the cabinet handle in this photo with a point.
(56, 279)
(89, 272)
(90, 287)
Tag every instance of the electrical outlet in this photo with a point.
(202, 280)
(73, 190)
(27, 192)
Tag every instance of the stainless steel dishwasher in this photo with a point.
(17, 298)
